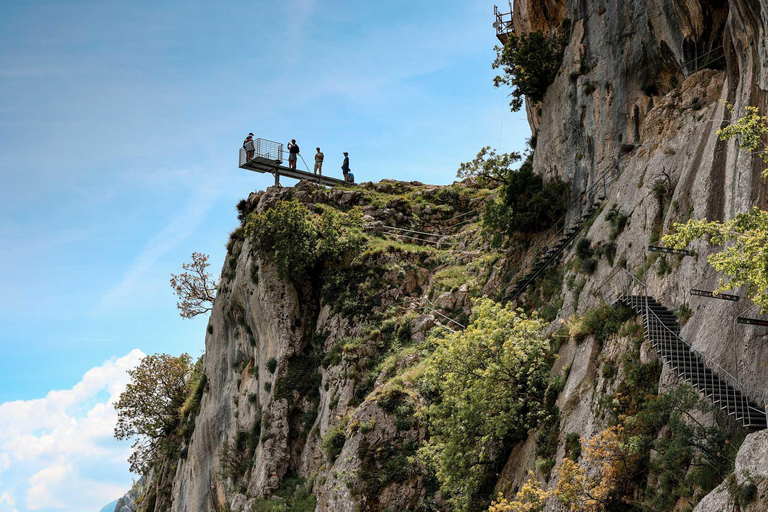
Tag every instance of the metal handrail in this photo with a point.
(504, 23)
(715, 367)
(684, 65)
(654, 328)
(552, 235)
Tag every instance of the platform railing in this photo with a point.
(263, 149)
(504, 24)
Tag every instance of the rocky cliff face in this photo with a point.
(306, 384)
(288, 367)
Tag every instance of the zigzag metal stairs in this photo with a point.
(553, 255)
(662, 331)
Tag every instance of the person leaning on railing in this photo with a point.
(248, 146)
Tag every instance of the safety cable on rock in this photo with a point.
(444, 316)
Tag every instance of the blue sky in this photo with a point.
(119, 129)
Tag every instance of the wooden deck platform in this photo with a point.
(266, 166)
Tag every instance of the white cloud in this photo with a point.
(51, 488)
(5, 463)
(61, 446)
(7, 502)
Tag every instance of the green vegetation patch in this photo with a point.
(294, 495)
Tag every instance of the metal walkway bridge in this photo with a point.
(266, 156)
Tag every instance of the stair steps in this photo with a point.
(662, 332)
(552, 255)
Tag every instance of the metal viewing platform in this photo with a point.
(266, 156)
(503, 24)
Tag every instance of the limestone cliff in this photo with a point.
(303, 378)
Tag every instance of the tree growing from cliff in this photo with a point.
(527, 203)
(488, 384)
(149, 408)
(743, 255)
(195, 288)
(750, 130)
(529, 63)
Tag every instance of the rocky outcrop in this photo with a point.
(630, 93)
(283, 363)
(747, 489)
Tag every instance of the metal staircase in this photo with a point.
(549, 247)
(545, 259)
(714, 382)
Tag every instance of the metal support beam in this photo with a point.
(751, 321)
(713, 295)
(667, 250)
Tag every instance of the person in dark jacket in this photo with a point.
(293, 153)
(345, 165)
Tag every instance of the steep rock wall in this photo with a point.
(628, 93)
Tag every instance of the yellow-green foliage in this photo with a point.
(488, 383)
(744, 258)
(376, 246)
(750, 129)
(300, 240)
(451, 278)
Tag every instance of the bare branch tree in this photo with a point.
(196, 288)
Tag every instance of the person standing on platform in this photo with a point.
(345, 165)
(319, 162)
(248, 146)
(293, 153)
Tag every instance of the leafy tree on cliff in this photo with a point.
(750, 130)
(195, 287)
(527, 204)
(149, 408)
(487, 383)
(530, 63)
(743, 259)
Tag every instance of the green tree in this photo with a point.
(149, 408)
(527, 203)
(750, 130)
(301, 241)
(490, 167)
(743, 259)
(529, 63)
(487, 386)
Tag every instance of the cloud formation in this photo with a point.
(58, 451)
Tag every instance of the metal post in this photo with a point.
(277, 178)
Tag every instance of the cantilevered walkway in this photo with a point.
(266, 156)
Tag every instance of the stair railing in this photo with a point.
(555, 232)
(671, 342)
(689, 362)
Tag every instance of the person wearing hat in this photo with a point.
(319, 157)
(345, 165)
(248, 146)
(293, 153)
